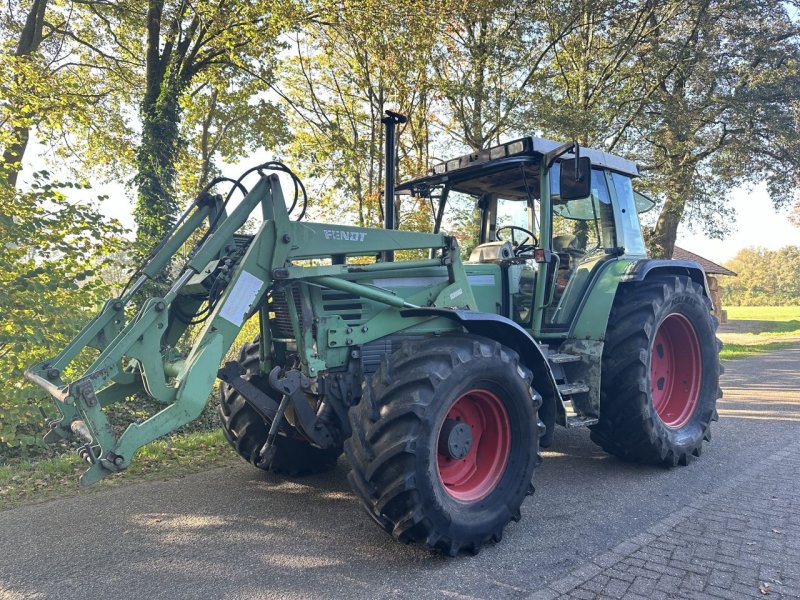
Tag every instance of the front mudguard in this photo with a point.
(512, 335)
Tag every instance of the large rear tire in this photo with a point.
(660, 378)
(445, 440)
(246, 430)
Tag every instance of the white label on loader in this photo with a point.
(241, 298)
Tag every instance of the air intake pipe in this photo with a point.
(390, 121)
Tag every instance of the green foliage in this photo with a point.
(190, 44)
(337, 81)
(764, 278)
(487, 65)
(724, 112)
(224, 119)
(51, 250)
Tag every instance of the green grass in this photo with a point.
(764, 313)
(26, 482)
(734, 351)
(753, 330)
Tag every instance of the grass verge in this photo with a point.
(30, 482)
(753, 330)
(733, 351)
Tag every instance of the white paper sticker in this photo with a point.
(241, 298)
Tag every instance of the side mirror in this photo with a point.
(575, 179)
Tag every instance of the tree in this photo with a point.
(51, 249)
(50, 82)
(184, 41)
(223, 119)
(488, 59)
(764, 277)
(348, 67)
(16, 121)
(724, 111)
(594, 89)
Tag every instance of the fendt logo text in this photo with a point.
(344, 236)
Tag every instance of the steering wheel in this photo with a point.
(521, 247)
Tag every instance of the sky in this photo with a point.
(757, 224)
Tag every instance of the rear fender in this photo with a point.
(653, 267)
(510, 334)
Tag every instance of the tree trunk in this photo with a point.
(160, 113)
(12, 157)
(30, 38)
(662, 241)
(155, 163)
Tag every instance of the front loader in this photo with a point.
(439, 378)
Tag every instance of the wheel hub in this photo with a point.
(455, 440)
(473, 445)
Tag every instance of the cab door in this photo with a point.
(583, 238)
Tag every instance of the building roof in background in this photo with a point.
(708, 266)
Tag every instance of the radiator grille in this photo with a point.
(281, 309)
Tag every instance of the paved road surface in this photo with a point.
(596, 527)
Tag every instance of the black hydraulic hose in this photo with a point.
(222, 179)
(162, 242)
(271, 165)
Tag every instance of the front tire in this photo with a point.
(660, 373)
(444, 443)
(246, 430)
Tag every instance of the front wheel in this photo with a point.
(660, 377)
(445, 440)
(246, 430)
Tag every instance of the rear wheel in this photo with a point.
(246, 430)
(660, 378)
(445, 441)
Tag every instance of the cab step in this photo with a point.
(581, 421)
(561, 358)
(568, 389)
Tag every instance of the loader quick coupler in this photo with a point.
(295, 386)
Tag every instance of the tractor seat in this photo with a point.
(566, 246)
(492, 252)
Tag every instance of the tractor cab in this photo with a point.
(550, 215)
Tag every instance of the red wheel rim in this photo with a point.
(474, 476)
(675, 371)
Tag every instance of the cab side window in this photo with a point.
(631, 229)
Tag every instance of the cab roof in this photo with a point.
(518, 153)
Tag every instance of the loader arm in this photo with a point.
(140, 357)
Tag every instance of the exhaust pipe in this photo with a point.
(391, 120)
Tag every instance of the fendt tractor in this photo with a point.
(440, 378)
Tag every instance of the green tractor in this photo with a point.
(440, 378)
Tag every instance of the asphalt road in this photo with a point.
(237, 533)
